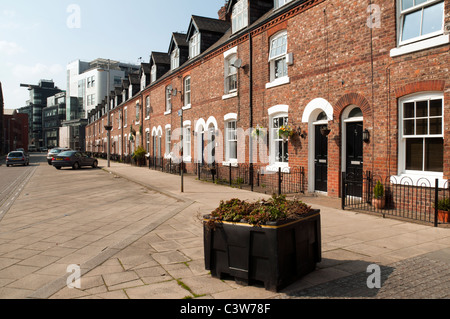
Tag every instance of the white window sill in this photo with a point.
(421, 45)
(274, 168)
(167, 112)
(187, 107)
(278, 82)
(137, 123)
(147, 118)
(229, 96)
(187, 159)
(424, 179)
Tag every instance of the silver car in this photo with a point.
(17, 158)
(55, 151)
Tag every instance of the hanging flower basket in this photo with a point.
(325, 130)
(285, 132)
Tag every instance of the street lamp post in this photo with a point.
(180, 114)
(108, 126)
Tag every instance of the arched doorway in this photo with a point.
(321, 153)
(352, 149)
(318, 113)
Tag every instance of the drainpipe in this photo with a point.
(251, 108)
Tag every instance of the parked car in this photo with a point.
(17, 158)
(73, 159)
(32, 149)
(54, 151)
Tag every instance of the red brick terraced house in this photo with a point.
(362, 85)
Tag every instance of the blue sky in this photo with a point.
(39, 38)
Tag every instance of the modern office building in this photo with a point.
(88, 81)
(54, 116)
(34, 108)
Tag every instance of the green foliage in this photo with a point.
(444, 204)
(139, 153)
(258, 213)
(378, 191)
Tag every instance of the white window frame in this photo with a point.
(168, 141)
(168, 100)
(147, 140)
(125, 117)
(143, 81)
(138, 113)
(275, 58)
(194, 45)
(147, 107)
(402, 13)
(175, 58)
(187, 142)
(228, 140)
(279, 3)
(402, 171)
(187, 92)
(230, 72)
(278, 111)
(153, 73)
(239, 16)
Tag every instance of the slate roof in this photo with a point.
(209, 25)
(160, 58)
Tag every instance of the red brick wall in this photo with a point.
(337, 57)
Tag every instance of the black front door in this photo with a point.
(354, 161)
(321, 160)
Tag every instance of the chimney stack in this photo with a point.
(223, 12)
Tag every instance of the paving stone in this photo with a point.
(163, 290)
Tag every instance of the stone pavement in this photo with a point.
(167, 262)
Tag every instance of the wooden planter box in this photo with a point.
(276, 254)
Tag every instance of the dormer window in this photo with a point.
(194, 45)
(143, 81)
(130, 91)
(280, 3)
(175, 59)
(239, 15)
(153, 73)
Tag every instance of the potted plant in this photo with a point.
(138, 155)
(325, 130)
(444, 210)
(285, 132)
(378, 200)
(275, 242)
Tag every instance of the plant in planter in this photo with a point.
(444, 210)
(139, 155)
(378, 200)
(275, 241)
(285, 132)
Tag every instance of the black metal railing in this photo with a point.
(254, 177)
(404, 198)
(165, 165)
